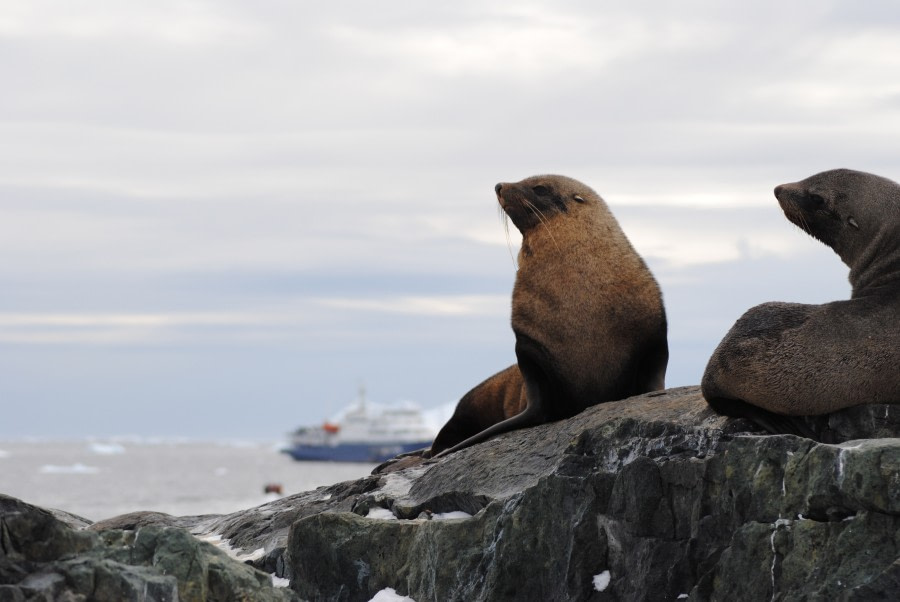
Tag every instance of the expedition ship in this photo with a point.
(363, 432)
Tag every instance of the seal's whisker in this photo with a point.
(563, 320)
(804, 225)
(797, 340)
(543, 219)
(505, 219)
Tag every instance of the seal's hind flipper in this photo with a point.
(775, 424)
(540, 384)
(531, 416)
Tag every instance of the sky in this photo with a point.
(218, 219)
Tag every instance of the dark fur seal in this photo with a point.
(586, 311)
(791, 359)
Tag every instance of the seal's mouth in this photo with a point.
(509, 206)
(508, 199)
(499, 190)
(791, 211)
(789, 198)
(802, 208)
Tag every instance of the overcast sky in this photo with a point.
(217, 218)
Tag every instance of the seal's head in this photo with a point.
(855, 213)
(539, 199)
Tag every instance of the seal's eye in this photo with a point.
(818, 200)
(540, 190)
(578, 198)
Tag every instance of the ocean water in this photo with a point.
(102, 478)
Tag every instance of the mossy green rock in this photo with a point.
(42, 558)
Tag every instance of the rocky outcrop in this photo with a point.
(651, 498)
(44, 558)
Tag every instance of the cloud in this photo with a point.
(164, 22)
(309, 192)
(120, 328)
(465, 305)
(514, 43)
(298, 319)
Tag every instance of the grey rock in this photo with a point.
(653, 498)
(44, 558)
(264, 527)
(860, 422)
(659, 491)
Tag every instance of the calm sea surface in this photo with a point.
(102, 478)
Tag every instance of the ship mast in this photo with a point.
(362, 396)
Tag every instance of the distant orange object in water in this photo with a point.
(272, 488)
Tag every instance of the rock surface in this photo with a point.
(657, 494)
(45, 558)
(651, 498)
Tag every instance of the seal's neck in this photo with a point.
(877, 267)
(566, 236)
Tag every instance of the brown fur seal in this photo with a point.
(587, 314)
(791, 359)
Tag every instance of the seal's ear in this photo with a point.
(578, 198)
(852, 222)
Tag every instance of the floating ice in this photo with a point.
(77, 468)
(106, 449)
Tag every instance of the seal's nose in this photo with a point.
(792, 190)
(497, 188)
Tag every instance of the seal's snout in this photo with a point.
(498, 188)
(786, 191)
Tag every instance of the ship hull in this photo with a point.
(352, 452)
